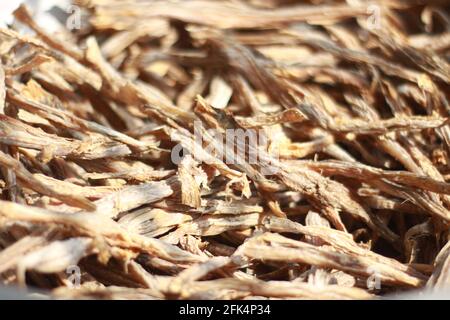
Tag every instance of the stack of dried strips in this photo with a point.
(351, 97)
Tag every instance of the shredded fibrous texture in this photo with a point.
(200, 149)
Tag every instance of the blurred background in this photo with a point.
(45, 11)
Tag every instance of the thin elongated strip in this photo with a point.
(260, 247)
(132, 197)
(28, 180)
(35, 61)
(382, 126)
(290, 115)
(214, 225)
(68, 187)
(367, 173)
(216, 14)
(2, 90)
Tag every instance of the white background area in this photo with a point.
(39, 9)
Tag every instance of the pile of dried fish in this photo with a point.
(129, 166)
